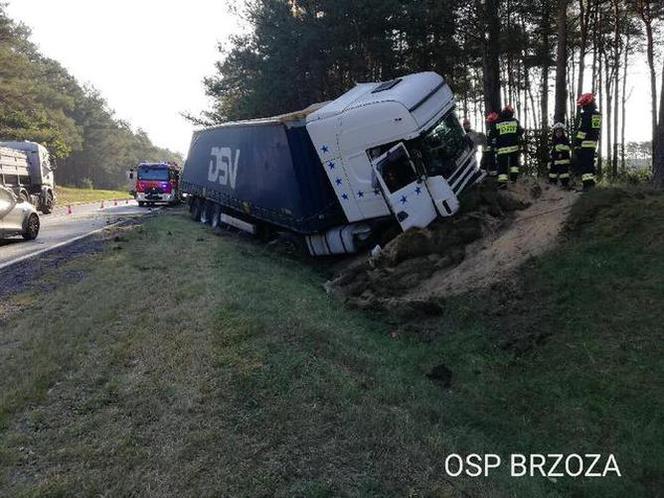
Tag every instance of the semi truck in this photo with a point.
(332, 174)
(26, 168)
(153, 183)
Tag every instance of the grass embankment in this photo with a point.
(211, 366)
(70, 195)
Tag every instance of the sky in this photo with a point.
(149, 57)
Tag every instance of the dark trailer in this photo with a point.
(260, 173)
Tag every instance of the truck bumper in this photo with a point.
(143, 197)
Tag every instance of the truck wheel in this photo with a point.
(49, 203)
(290, 244)
(207, 208)
(216, 212)
(195, 209)
(31, 227)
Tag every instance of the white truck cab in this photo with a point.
(395, 148)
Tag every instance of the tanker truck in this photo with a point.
(26, 168)
(331, 175)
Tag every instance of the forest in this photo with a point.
(538, 55)
(42, 102)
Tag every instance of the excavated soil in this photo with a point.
(496, 232)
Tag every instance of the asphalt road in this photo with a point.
(61, 228)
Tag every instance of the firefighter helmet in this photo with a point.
(508, 109)
(585, 100)
(466, 122)
(492, 117)
(558, 126)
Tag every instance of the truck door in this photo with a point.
(406, 193)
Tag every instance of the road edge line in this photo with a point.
(57, 246)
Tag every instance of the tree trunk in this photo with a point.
(608, 83)
(546, 48)
(624, 103)
(561, 63)
(650, 52)
(658, 161)
(491, 56)
(616, 85)
(600, 91)
(583, 27)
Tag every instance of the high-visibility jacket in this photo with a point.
(588, 129)
(507, 136)
(560, 157)
(561, 152)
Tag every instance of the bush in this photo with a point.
(86, 183)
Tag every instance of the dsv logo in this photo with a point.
(222, 167)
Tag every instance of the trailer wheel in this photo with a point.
(216, 213)
(195, 209)
(207, 212)
(31, 227)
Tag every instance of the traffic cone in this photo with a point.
(68, 208)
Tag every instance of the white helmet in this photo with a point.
(559, 126)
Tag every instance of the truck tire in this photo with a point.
(48, 204)
(207, 212)
(216, 213)
(31, 227)
(290, 244)
(195, 209)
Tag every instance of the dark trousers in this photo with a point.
(508, 167)
(559, 172)
(585, 166)
(488, 163)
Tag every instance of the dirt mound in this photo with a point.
(496, 232)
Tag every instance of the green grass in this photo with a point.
(69, 195)
(189, 364)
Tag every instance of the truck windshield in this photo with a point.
(152, 173)
(442, 145)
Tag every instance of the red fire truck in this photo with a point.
(156, 183)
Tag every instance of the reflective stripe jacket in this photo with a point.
(560, 151)
(507, 135)
(588, 128)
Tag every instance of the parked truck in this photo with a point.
(153, 183)
(334, 172)
(26, 168)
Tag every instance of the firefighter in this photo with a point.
(589, 126)
(507, 144)
(560, 156)
(488, 154)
